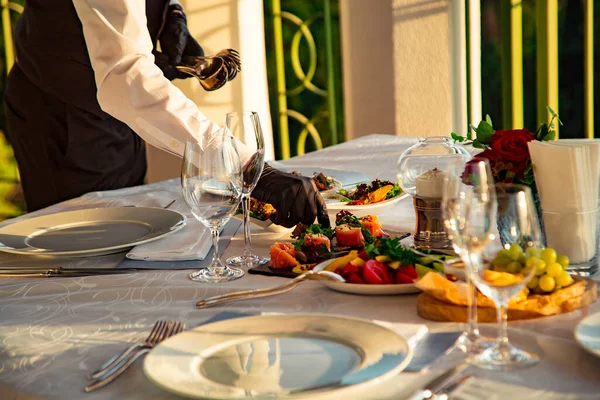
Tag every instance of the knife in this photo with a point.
(436, 384)
(10, 273)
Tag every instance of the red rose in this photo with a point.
(511, 145)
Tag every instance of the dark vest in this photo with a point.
(51, 49)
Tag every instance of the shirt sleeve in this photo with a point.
(130, 86)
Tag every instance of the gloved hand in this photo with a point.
(295, 198)
(175, 42)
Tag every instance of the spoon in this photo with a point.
(255, 293)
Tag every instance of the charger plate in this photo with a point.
(89, 232)
(277, 356)
(587, 333)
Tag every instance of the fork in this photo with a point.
(151, 340)
(167, 330)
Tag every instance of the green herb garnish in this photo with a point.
(393, 249)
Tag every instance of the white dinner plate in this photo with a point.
(277, 356)
(345, 178)
(89, 232)
(587, 333)
(356, 288)
(334, 205)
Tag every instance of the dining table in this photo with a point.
(54, 331)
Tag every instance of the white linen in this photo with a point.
(192, 242)
(54, 332)
(130, 86)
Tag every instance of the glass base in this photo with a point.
(217, 274)
(471, 343)
(247, 261)
(504, 357)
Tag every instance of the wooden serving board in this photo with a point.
(537, 306)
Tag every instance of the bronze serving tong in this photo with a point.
(213, 71)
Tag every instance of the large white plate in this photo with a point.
(587, 333)
(356, 288)
(345, 178)
(334, 206)
(89, 232)
(277, 356)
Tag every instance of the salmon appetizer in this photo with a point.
(315, 241)
(283, 255)
(349, 236)
(371, 223)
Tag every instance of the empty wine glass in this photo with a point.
(211, 179)
(511, 269)
(468, 211)
(245, 128)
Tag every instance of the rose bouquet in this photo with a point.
(507, 150)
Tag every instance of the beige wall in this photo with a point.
(218, 24)
(400, 69)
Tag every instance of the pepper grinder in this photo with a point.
(420, 172)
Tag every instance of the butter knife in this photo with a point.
(437, 383)
(14, 273)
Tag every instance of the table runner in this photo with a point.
(53, 332)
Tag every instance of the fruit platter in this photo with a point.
(551, 290)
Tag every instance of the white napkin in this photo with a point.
(474, 388)
(567, 176)
(192, 242)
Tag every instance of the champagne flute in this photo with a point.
(468, 211)
(211, 179)
(245, 128)
(500, 281)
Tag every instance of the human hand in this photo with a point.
(175, 42)
(295, 198)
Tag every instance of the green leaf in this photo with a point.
(456, 137)
(551, 111)
(549, 136)
(484, 132)
(478, 145)
(541, 132)
(489, 120)
(469, 136)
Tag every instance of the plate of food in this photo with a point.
(365, 198)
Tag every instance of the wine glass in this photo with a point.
(468, 212)
(245, 128)
(511, 269)
(211, 179)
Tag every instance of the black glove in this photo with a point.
(176, 42)
(295, 198)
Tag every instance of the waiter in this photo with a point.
(89, 87)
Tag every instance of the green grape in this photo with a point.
(502, 258)
(564, 279)
(540, 267)
(526, 271)
(515, 252)
(513, 267)
(549, 255)
(563, 260)
(547, 283)
(530, 262)
(533, 252)
(533, 282)
(522, 258)
(554, 269)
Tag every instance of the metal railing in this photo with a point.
(312, 107)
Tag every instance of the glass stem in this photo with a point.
(214, 230)
(472, 327)
(502, 317)
(246, 214)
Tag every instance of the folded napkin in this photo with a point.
(474, 388)
(192, 242)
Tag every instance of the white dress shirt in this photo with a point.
(130, 86)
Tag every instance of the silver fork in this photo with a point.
(150, 340)
(166, 331)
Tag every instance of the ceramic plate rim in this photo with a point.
(318, 393)
(578, 336)
(365, 289)
(96, 251)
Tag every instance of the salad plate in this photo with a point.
(366, 289)
(89, 232)
(587, 333)
(298, 356)
(334, 206)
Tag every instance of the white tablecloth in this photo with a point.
(53, 332)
